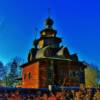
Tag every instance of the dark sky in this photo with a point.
(77, 22)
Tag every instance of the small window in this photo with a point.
(77, 74)
(24, 76)
(29, 75)
(70, 73)
(43, 33)
(74, 74)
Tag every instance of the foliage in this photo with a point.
(2, 71)
(92, 75)
(2, 74)
(14, 71)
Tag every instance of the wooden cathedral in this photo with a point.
(50, 63)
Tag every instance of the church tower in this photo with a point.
(48, 39)
(48, 36)
(50, 63)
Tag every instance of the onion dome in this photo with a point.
(49, 22)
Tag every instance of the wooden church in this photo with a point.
(50, 63)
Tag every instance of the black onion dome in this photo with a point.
(49, 22)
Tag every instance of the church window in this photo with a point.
(64, 74)
(77, 73)
(49, 75)
(29, 75)
(50, 72)
(41, 43)
(74, 74)
(43, 33)
(70, 73)
(24, 76)
(52, 35)
(61, 73)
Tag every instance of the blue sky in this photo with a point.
(77, 22)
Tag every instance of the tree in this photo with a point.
(92, 75)
(2, 71)
(2, 74)
(15, 71)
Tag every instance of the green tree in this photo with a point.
(92, 75)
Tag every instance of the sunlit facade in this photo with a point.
(50, 63)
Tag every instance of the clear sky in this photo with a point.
(77, 22)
